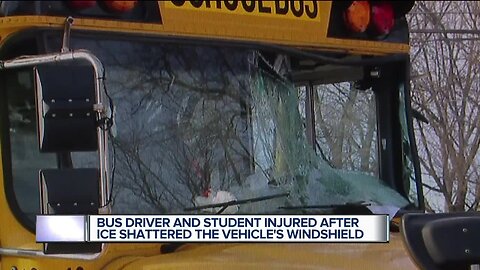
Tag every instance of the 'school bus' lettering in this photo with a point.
(295, 9)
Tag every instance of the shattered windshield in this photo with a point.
(197, 125)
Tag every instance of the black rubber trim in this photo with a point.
(389, 138)
(411, 138)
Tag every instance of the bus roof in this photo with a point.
(293, 23)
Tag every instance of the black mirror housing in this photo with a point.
(65, 98)
(447, 241)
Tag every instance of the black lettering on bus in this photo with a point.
(312, 13)
(279, 9)
(262, 8)
(231, 5)
(248, 7)
(196, 3)
(178, 3)
(295, 11)
(219, 4)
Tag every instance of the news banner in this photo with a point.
(212, 228)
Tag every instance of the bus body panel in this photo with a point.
(15, 23)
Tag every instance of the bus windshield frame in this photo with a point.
(272, 73)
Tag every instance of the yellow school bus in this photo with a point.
(255, 107)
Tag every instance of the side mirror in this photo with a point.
(445, 241)
(65, 96)
(70, 118)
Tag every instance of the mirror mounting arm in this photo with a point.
(66, 34)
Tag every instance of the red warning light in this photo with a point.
(81, 4)
(383, 18)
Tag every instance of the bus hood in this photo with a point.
(278, 256)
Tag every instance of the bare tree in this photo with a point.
(345, 126)
(446, 73)
(183, 123)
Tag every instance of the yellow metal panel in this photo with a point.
(276, 10)
(283, 256)
(238, 256)
(255, 25)
(216, 21)
(217, 26)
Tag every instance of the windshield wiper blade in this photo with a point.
(326, 206)
(224, 205)
(171, 247)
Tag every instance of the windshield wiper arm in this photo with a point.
(327, 206)
(171, 247)
(224, 205)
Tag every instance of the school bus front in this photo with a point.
(287, 107)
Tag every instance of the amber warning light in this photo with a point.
(111, 6)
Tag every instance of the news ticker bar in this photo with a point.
(212, 228)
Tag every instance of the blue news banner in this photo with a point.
(213, 228)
